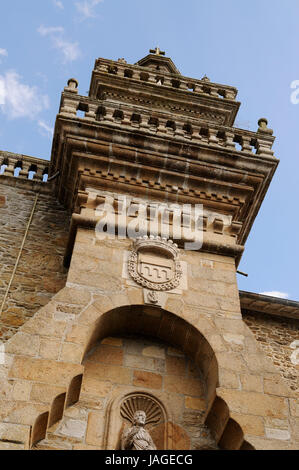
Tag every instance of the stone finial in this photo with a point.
(263, 123)
(205, 79)
(72, 83)
(72, 86)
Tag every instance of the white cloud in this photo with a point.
(19, 100)
(70, 50)
(281, 295)
(45, 129)
(3, 53)
(87, 8)
(44, 31)
(58, 4)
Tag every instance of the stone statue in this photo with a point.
(136, 437)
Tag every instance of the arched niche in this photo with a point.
(157, 324)
(120, 413)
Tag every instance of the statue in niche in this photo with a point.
(137, 437)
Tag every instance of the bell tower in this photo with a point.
(149, 132)
(163, 191)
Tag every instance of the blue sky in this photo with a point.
(251, 45)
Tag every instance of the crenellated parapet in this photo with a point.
(23, 167)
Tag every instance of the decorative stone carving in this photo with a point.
(153, 264)
(141, 402)
(137, 437)
(140, 411)
(152, 297)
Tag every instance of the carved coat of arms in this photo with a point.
(153, 263)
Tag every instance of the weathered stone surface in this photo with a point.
(42, 370)
(95, 429)
(256, 404)
(44, 393)
(22, 412)
(179, 438)
(147, 379)
(71, 353)
(43, 326)
(23, 343)
(95, 387)
(275, 335)
(260, 443)
(113, 341)
(116, 374)
(107, 354)
(72, 428)
(176, 366)
(40, 272)
(15, 432)
(49, 349)
(231, 361)
(72, 296)
(251, 425)
(154, 351)
(21, 390)
(182, 385)
(251, 383)
(195, 403)
(228, 379)
(147, 363)
(274, 385)
(280, 434)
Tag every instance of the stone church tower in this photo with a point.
(119, 290)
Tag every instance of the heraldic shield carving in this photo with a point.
(153, 263)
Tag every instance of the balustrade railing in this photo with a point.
(191, 129)
(133, 72)
(23, 167)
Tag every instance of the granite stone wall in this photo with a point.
(277, 336)
(40, 272)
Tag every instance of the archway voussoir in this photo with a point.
(103, 303)
(73, 296)
(89, 316)
(135, 296)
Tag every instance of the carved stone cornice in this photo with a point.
(252, 302)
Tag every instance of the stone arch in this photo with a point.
(100, 317)
(173, 329)
(163, 325)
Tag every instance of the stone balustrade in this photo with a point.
(133, 72)
(24, 167)
(191, 129)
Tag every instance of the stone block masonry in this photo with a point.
(276, 336)
(40, 272)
